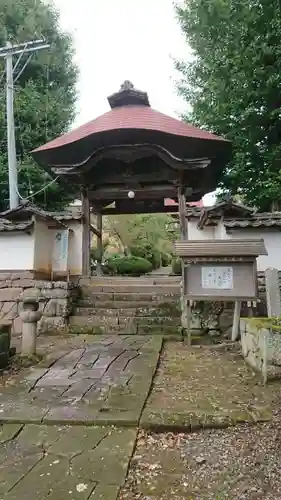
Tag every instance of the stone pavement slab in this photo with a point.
(59, 463)
(105, 381)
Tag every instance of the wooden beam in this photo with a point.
(182, 213)
(146, 192)
(86, 265)
(165, 210)
(99, 244)
(158, 176)
(95, 231)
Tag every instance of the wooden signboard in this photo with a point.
(221, 280)
(220, 269)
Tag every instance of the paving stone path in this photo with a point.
(104, 383)
(88, 394)
(39, 462)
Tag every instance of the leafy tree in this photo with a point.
(45, 95)
(233, 85)
(139, 229)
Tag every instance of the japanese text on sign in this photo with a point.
(220, 278)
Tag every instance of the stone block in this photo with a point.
(10, 294)
(57, 307)
(5, 276)
(23, 283)
(55, 293)
(9, 310)
(65, 285)
(42, 284)
(20, 275)
(30, 292)
(51, 325)
(6, 284)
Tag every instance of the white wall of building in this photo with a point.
(75, 247)
(43, 239)
(272, 240)
(16, 251)
(34, 252)
(271, 237)
(208, 233)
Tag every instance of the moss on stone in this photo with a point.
(268, 323)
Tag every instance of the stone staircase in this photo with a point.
(146, 305)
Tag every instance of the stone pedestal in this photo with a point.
(30, 317)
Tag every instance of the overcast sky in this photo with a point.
(117, 40)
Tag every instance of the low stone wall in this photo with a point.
(55, 298)
(258, 344)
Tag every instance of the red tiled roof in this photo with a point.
(131, 117)
(172, 203)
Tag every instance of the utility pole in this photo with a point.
(8, 52)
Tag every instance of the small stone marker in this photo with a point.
(30, 317)
(273, 299)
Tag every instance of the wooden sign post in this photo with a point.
(220, 270)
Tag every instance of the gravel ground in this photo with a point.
(241, 462)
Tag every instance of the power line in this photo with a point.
(23, 68)
(7, 53)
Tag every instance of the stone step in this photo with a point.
(115, 281)
(125, 320)
(109, 326)
(137, 289)
(128, 312)
(119, 304)
(132, 297)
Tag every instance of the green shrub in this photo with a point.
(176, 267)
(94, 252)
(166, 259)
(147, 251)
(131, 265)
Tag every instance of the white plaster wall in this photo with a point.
(271, 237)
(16, 251)
(43, 247)
(75, 247)
(272, 240)
(198, 234)
(220, 231)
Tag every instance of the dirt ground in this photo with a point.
(238, 463)
(201, 388)
(206, 387)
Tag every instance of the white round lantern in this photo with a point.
(131, 194)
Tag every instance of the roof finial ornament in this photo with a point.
(127, 85)
(128, 95)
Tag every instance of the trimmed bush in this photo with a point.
(166, 259)
(176, 267)
(131, 265)
(147, 251)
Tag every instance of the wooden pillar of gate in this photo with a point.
(99, 244)
(86, 234)
(185, 305)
